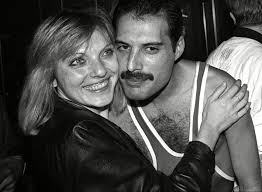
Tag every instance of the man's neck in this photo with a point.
(175, 86)
(161, 96)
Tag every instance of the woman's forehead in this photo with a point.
(98, 40)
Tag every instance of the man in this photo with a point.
(165, 101)
(241, 55)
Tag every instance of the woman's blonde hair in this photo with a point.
(56, 38)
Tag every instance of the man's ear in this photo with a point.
(180, 47)
(54, 83)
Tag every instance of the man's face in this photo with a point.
(145, 55)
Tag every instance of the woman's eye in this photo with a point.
(108, 52)
(77, 62)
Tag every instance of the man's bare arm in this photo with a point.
(241, 141)
(244, 155)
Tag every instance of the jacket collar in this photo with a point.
(65, 116)
(248, 33)
(65, 102)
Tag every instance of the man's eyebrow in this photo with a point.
(146, 44)
(153, 44)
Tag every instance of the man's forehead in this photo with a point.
(147, 28)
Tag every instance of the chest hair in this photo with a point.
(174, 129)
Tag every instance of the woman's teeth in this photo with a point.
(97, 86)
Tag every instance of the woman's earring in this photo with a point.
(55, 83)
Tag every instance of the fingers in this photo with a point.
(232, 90)
(244, 110)
(6, 182)
(242, 106)
(10, 188)
(218, 91)
(243, 102)
(242, 93)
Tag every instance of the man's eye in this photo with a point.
(152, 50)
(77, 62)
(122, 47)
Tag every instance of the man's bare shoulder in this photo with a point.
(185, 72)
(186, 65)
(215, 78)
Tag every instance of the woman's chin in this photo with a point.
(102, 103)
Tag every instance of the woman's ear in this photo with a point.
(180, 47)
(233, 17)
(54, 83)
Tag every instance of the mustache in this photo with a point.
(137, 75)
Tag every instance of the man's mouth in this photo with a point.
(98, 86)
(136, 77)
(134, 82)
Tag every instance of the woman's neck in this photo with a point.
(100, 111)
(104, 113)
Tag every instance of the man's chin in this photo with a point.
(133, 95)
(135, 91)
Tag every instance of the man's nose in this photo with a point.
(134, 62)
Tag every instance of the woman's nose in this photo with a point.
(98, 69)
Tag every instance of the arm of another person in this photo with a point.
(11, 169)
(11, 161)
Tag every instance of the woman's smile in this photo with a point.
(98, 87)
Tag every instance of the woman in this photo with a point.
(65, 104)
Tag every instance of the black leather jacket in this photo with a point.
(80, 151)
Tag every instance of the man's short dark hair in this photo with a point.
(140, 8)
(246, 12)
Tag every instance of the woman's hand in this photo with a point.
(222, 109)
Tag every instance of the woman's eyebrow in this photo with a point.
(121, 42)
(80, 53)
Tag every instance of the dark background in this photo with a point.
(19, 19)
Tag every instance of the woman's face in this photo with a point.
(89, 76)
